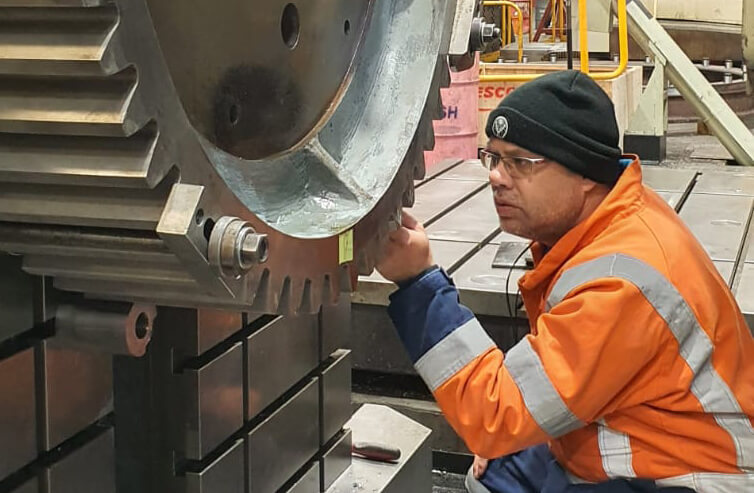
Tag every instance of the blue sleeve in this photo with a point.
(426, 311)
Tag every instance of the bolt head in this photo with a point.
(254, 248)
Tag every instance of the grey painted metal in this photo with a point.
(16, 298)
(199, 330)
(30, 486)
(668, 180)
(438, 170)
(439, 196)
(336, 460)
(719, 222)
(280, 354)
(309, 482)
(376, 346)
(18, 431)
(747, 30)
(212, 401)
(89, 468)
(694, 87)
(482, 288)
(111, 99)
(336, 395)
(468, 170)
(76, 390)
(473, 220)
(744, 290)
(284, 442)
(335, 327)
(375, 289)
(225, 474)
(726, 270)
(672, 198)
(725, 183)
(413, 472)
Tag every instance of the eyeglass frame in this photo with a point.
(496, 159)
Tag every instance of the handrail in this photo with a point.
(520, 33)
(584, 49)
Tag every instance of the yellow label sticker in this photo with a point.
(345, 247)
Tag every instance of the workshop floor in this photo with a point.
(444, 482)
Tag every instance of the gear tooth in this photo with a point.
(444, 72)
(285, 305)
(307, 300)
(409, 196)
(262, 299)
(103, 130)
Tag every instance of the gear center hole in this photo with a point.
(290, 26)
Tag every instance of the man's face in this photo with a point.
(538, 200)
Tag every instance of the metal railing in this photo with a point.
(520, 33)
(583, 49)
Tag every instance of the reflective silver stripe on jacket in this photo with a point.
(615, 449)
(458, 349)
(540, 396)
(695, 346)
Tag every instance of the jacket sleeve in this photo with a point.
(578, 367)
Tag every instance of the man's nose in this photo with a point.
(499, 178)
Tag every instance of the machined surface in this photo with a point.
(283, 443)
(336, 395)
(77, 390)
(225, 474)
(18, 430)
(214, 402)
(412, 472)
(309, 482)
(129, 129)
(89, 468)
(336, 460)
(279, 355)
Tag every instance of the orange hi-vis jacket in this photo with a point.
(639, 362)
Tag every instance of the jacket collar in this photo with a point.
(624, 199)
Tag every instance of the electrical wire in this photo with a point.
(507, 283)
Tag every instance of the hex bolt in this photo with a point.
(254, 248)
(235, 247)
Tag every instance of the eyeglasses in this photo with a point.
(515, 166)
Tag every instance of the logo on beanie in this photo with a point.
(500, 127)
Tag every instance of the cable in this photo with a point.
(507, 283)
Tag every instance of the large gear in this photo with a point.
(130, 130)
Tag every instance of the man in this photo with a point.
(638, 374)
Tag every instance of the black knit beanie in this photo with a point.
(565, 117)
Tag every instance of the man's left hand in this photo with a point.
(407, 253)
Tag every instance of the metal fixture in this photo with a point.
(115, 328)
(235, 248)
(525, 59)
(694, 87)
(553, 57)
(705, 61)
(728, 64)
(482, 33)
(728, 78)
(108, 130)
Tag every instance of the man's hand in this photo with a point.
(407, 252)
(480, 465)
